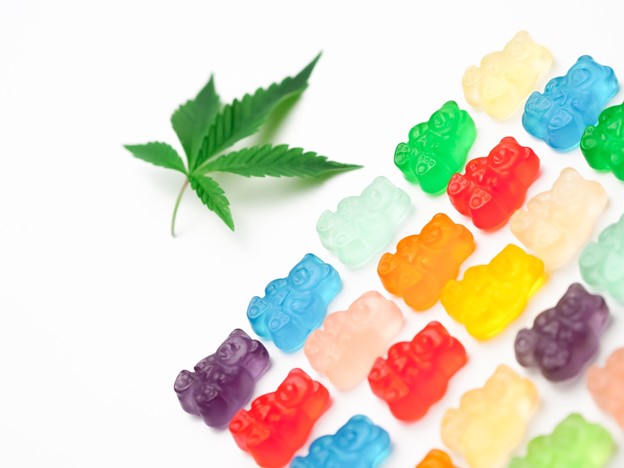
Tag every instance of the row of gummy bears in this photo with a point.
(349, 346)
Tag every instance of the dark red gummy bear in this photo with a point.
(415, 374)
(493, 187)
(279, 423)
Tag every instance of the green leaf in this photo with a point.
(159, 154)
(277, 161)
(192, 120)
(212, 195)
(242, 118)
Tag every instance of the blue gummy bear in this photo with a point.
(357, 444)
(570, 103)
(294, 306)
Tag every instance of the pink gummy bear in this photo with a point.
(346, 349)
(605, 385)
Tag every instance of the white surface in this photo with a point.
(101, 308)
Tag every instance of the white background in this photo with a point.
(100, 308)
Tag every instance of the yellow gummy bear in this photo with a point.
(490, 297)
(505, 78)
(491, 421)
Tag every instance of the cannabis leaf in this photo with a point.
(206, 129)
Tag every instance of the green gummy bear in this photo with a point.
(437, 149)
(575, 443)
(603, 144)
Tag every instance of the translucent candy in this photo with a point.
(425, 262)
(602, 262)
(415, 374)
(363, 225)
(358, 444)
(603, 145)
(279, 423)
(505, 78)
(436, 149)
(557, 223)
(436, 459)
(570, 103)
(605, 385)
(566, 338)
(493, 187)
(294, 306)
(224, 381)
(346, 348)
(574, 443)
(491, 421)
(490, 297)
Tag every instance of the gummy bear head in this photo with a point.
(432, 338)
(506, 155)
(308, 273)
(585, 73)
(445, 120)
(295, 389)
(438, 232)
(354, 435)
(378, 195)
(235, 348)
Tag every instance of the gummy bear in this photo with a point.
(490, 297)
(279, 423)
(224, 381)
(570, 103)
(603, 145)
(494, 186)
(557, 223)
(346, 348)
(425, 262)
(357, 444)
(606, 384)
(436, 459)
(505, 78)
(565, 338)
(491, 421)
(362, 225)
(574, 443)
(436, 149)
(415, 374)
(602, 262)
(294, 306)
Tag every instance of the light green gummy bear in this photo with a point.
(364, 224)
(575, 443)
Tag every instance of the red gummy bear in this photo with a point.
(279, 423)
(494, 186)
(415, 374)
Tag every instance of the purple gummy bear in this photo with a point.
(224, 381)
(565, 338)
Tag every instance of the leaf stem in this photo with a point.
(175, 209)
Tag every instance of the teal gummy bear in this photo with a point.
(358, 444)
(437, 149)
(363, 225)
(570, 103)
(603, 144)
(575, 443)
(602, 262)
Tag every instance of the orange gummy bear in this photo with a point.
(425, 262)
(436, 459)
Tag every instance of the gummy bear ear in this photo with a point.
(239, 332)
